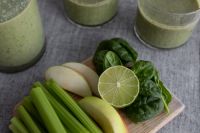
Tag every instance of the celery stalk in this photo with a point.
(28, 105)
(46, 111)
(54, 89)
(72, 124)
(30, 108)
(13, 128)
(27, 120)
(19, 125)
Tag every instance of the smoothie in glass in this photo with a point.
(166, 23)
(21, 34)
(91, 12)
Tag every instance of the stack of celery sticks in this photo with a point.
(49, 108)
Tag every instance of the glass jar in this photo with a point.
(91, 12)
(21, 39)
(166, 23)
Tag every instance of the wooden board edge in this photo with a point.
(171, 116)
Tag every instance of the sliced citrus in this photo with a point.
(119, 86)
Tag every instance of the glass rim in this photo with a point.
(173, 13)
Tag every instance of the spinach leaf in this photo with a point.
(111, 59)
(98, 60)
(166, 94)
(145, 70)
(126, 45)
(105, 59)
(127, 57)
(148, 103)
(153, 96)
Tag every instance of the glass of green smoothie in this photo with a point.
(90, 12)
(21, 34)
(166, 23)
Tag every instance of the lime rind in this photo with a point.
(119, 86)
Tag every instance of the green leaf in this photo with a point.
(111, 59)
(98, 60)
(105, 59)
(153, 96)
(123, 50)
(166, 95)
(145, 70)
(126, 45)
(148, 103)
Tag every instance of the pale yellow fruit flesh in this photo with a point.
(104, 114)
(90, 75)
(69, 79)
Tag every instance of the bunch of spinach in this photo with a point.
(153, 95)
(124, 54)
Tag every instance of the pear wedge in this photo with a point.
(104, 114)
(69, 79)
(90, 75)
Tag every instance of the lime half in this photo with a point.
(119, 86)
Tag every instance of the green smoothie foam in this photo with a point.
(21, 34)
(11, 8)
(161, 23)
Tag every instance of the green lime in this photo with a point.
(119, 86)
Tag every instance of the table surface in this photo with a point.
(179, 68)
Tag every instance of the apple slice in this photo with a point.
(69, 79)
(104, 114)
(90, 75)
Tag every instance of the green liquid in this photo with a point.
(21, 36)
(175, 6)
(164, 31)
(90, 12)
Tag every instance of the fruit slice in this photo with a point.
(104, 114)
(69, 80)
(119, 86)
(90, 75)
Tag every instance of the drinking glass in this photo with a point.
(160, 28)
(21, 39)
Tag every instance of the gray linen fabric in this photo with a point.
(179, 68)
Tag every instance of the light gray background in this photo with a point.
(179, 68)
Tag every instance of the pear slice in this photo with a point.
(104, 114)
(89, 74)
(69, 79)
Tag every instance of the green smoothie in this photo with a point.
(166, 23)
(91, 12)
(21, 34)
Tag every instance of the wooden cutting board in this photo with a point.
(152, 125)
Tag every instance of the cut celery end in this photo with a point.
(46, 111)
(13, 129)
(19, 125)
(30, 108)
(27, 120)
